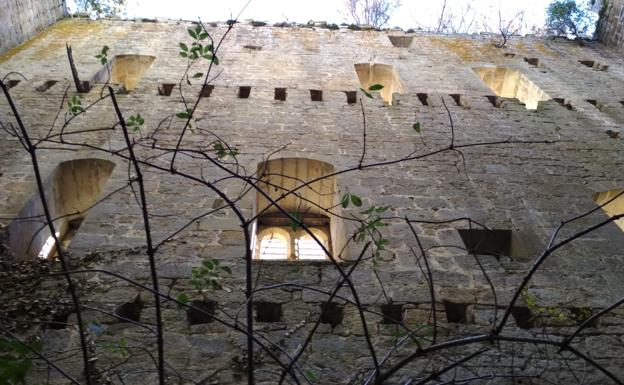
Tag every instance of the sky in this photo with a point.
(411, 14)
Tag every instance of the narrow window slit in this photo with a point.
(244, 92)
(392, 314)
(351, 97)
(59, 321)
(595, 103)
(206, 91)
(510, 54)
(332, 313)
(401, 41)
(316, 95)
(165, 89)
(280, 94)
(487, 242)
(202, 314)
(424, 99)
(268, 312)
(46, 85)
(587, 63)
(564, 103)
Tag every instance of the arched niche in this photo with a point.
(125, 70)
(72, 188)
(511, 83)
(314, 204)
(384, 74)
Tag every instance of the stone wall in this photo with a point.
(563, 152)
(22, 19)
(611, 26)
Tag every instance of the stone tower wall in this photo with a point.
(612, 24)
(528, 188)
(22, 19)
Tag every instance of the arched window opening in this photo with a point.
(384, 74)
(612, 203)
(125, 70)
(510, 83)
(304, 189)
(71, 190)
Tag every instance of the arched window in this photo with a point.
(304, 189)
(72, 188)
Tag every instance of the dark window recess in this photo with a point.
(509, 54)
(130, 311)
(532, 61)
(332, 314)
(165, 89)
(351, 97)
(565, 104)
(316, 95)
(523, 317)
(206, 91)
(595, 103)
(244, 92)
(12, 83)
(459, 99)
(280, 94)
(58, 321)
(86, 86)
(455, 312)
(587, 63)
(401, 41)
(252, 47)
(268, 312)
(622, 102)
(424, 99)
(487, 242)
(392, 314)
(202, 314)
(495, 100)
(46, 85)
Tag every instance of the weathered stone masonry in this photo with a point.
(20, 20)
(525, 188)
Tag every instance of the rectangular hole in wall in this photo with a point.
(622, 102)
(401, 41)
(459, 99)
(244, 92)
(202, 314)
(46, 85)
(165, 89)
(268, 312)
(564, 103)
(58, 321)
(532, 61)
(130, 311)
(206, 91)
(456, 312)
(424, 99)
(392, 314)
(494, 242)
(332, 314)
(509, 54)
(252, 47)
(280, 94)
(595, 103)
(12, 83)
(351, 97)
(612, 203)
(587, 63)
(316, 95)
(495, 100)
(523, 317)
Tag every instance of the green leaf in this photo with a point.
(105, 49)
(356, 200)
(226, 269)
(366, 93)
(203, 35)
(103, 60)
(416, 127)
(192, 33)
(198, 75)
(183, 298)
(310, 374)
(375, 87)
(183, 54)
(208, 263)
(215, 60)
(344, 202)
(183, 47)
(368, 210)
(182, 115)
